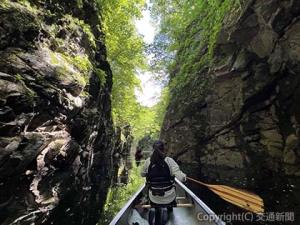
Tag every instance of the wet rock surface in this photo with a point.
(280, 195)
(56, 134)
(122, 162)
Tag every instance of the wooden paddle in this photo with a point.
(241, 198)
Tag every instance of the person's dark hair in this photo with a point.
(158, 145)
(158, 155)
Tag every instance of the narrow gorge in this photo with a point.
(226, 81)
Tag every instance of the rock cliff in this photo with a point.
(55, 112)
(248, 115)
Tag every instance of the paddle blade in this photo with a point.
(238, 197)
(243, 199)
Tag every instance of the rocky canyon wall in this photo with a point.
(248, 117)
(55, 112)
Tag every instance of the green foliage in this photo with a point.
(4, 3)
(31, 7)
(81, 62)
(145, 123)
(190, 29)
(161, 107)
(79, 4)
(54, 58)
(119, 195)
(149, 120)
(125, 49)
(102, 76)
(19, 77)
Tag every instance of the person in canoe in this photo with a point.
(138, 156)
(160, 172)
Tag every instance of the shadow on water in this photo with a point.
(281, 194)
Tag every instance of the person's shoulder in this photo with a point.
(147, 160)
(169, 160)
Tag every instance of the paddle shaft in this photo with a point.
(198, 182)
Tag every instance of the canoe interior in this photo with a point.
(180, 216)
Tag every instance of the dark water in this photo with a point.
(281, 194)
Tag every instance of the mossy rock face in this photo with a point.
(52, 117)
(70, 32)
(69, 69)
(242, 96)
(19, 26)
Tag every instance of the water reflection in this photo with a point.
(280, 193)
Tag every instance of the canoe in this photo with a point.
(190, 209)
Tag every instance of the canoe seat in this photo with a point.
(170, 205)
(183, 205)
(180, 198)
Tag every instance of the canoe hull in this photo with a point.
(190, 211)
